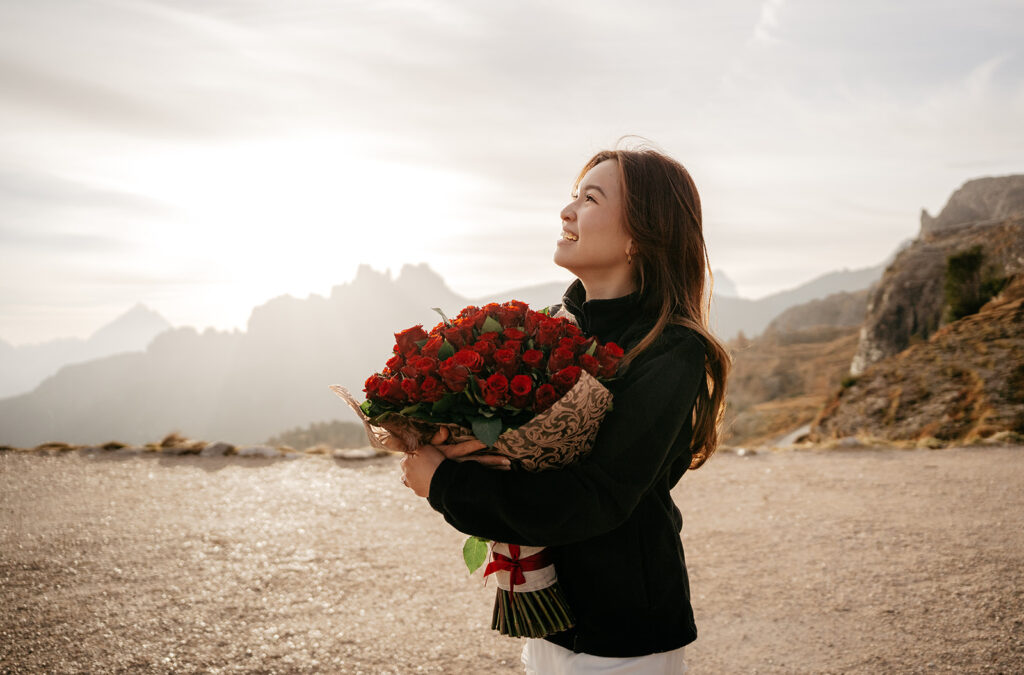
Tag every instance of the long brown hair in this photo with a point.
(662, 215)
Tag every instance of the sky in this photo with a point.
(204, 156)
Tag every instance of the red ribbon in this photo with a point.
(516, 565)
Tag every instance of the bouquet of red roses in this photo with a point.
(525, 383)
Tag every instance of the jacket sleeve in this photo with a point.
(596, 494)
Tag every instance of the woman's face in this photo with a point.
(595, 216)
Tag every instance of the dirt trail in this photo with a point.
(862, 561)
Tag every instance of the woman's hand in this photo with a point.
(418, 467)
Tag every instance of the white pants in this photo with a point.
(541, 657)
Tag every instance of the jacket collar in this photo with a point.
(607, 318)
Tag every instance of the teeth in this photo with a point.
(569, 235)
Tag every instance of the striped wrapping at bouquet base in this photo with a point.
(529, 601)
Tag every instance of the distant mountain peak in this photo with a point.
(420, 277)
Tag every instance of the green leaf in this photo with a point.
(420, 343)
(411, 408)
(593, 347)
(491, 325)
(446, 351)
(546, 311)
(474, 552)
(365, 406)
(487, 429)
(443, 404)
(438, 310)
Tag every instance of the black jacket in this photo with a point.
(610, 523)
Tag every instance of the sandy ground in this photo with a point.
(862, 561)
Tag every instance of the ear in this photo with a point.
(630, 247)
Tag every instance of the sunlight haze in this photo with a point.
(204, 157)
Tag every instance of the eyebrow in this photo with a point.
(591, 186)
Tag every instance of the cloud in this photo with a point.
(767, 22)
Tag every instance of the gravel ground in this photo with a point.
(856, 561)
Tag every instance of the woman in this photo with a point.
(632, 235)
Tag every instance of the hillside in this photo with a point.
(245, 387)
(780, 380)
(966, 381)
(23, 367)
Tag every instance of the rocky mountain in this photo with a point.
(246, 386)
(965, 381)
(23, 367)
(909, 302)
(982, 200)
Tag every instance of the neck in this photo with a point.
(614, 286)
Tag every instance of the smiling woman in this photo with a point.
(633, 236)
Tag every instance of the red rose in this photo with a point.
(455, 335)
(485, 348)
(608, 355)
(521, 385)
(373, 383)
(391, 390)
(433, 346)
(544, 398)
(531, 321)
(548, 332)
(565, 378)
(514, 345)
(431, 389)
(495, 390)
(505, 361)
(410, 388)
(491, 335)
(468, 311)
(410, 370)
(454, 374)
(513, 334)
(590, 364)
(395, 363)
(568, 343)
(424, 364)
(560, 358)
(534, 358)
(407, 339)
(469, 358)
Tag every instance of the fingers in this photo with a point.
(494, 461)
(456, 450)
(440, 436)
(393, 443)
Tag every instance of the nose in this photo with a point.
(568, 213)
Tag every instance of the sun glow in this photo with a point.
(288, 215)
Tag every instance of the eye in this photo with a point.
(591, 198)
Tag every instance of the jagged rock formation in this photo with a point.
(907, 304)
(977, 201)
(965, 382)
